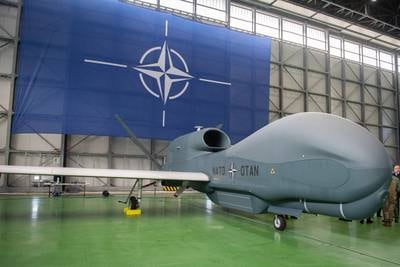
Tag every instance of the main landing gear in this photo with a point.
(279, 222)
(133, 203)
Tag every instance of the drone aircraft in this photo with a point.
(307, 162)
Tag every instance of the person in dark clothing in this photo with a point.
(368, 220)
(379, 213)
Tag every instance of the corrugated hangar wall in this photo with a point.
(302, 79)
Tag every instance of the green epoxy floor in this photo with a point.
(92, 231)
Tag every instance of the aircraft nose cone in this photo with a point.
(362, 154)
(322, 150)
(366, 166)
(340, 139)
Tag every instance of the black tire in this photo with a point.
(133, 203)
(279, 222)
(105, 193)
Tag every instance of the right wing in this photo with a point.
(105, 173)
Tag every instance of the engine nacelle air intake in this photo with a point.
(206, 140)
(210, 140)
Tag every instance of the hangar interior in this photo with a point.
(318, 63)
(325, 57)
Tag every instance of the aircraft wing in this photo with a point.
(105, 173)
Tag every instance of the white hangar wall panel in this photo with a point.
(6, 59)
(9, 21)
(293, 78)
(128, 163)
(124, 148)
(35, 142)
(110, 152)
(30, 159)
(2, 180)
(126, 155)
(82, 152)
(389, 119)
(87, 144)
(78, 161)
(35, 150)
(275, 81)
(87, 152)
(5, 90)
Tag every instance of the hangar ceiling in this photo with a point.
(363, 20)
(378, 15)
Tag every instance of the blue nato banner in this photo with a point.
(82, 62)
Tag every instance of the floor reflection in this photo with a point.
(35, 208)
(208, 206)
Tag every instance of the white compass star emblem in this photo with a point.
(164, 72)
(232, 170)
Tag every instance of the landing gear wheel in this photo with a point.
(279, 222)
(105, 193)
(133, 203)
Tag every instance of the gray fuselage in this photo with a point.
(307, 162)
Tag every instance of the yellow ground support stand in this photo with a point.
(129, 212)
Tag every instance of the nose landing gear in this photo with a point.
(279, 222)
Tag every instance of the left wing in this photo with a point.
(105, 173)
